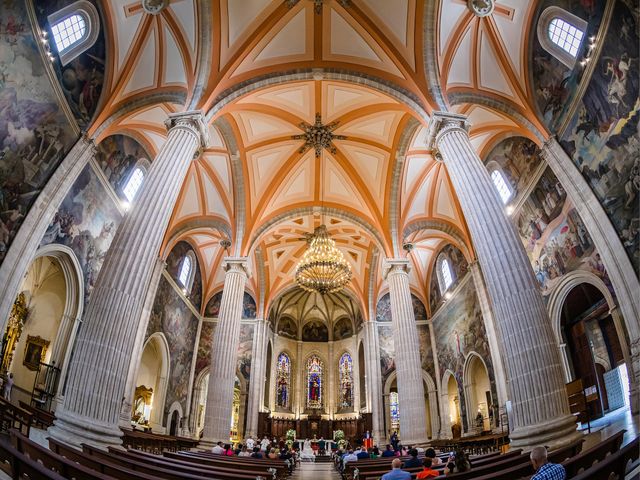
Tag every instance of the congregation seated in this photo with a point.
(362, 453)
(257, 453)
(349, 457)
(396, 472)
(431, 453)
(413, 461)
(244, 452)
(428, 471)
(374, 452)
(388, 452)
(545, 470)
(218, 449)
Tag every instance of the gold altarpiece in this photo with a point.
(19, 313)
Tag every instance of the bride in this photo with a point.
(307, 452)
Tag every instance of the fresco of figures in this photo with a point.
(35, 135)
(174, 263)
(602, 138)
(459, 267)
(83, 77)
(203, 357)
(315, 331)
(117, 155)
(287, 328)
(459, 330)
(554, 85)
(244, 350)
(212, 310)
(383, 308)
(86, 222)
(517, 158)
(171, 316)
(342, 329)
(426, 353)
(554, 236)
(387, 351)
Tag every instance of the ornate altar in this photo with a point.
(19, 313)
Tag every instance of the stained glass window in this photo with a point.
(395, 411)
(447, 276)
(133, 184)
(185, 271)
(314, 382)
(283, 381)
(345, 369)
(501, 185)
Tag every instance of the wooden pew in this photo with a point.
(40, 416)
(615, 464)
(18, 465)
(282, 467)
(12, 416)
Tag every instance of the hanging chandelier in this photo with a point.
(322, 268)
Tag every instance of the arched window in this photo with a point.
(74, 29)
(447, 275)
(395, 411)
(187, 271)
(283, 381)
(345, 369)
(561, 34)
(502, 186)
(133, 184)
(314, 382)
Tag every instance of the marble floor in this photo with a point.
(315, 471)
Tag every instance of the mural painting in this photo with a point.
(426, 354)
(171, 316)
(459, 330)
(86, 222)
(35, 135)
(419, 311)
(554, 235)
(517, 158)
(203, 357)
(602, 138)
(387, 351)
(287, 327)
(174, 263)
(315, 331)
(383, 309)
(459, 268)
(83, 77)
(212, 310)
(554, 84)
(244, 350)
(342, 329)
(117, 155)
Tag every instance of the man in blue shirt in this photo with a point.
(396, 473)
(544, 469)
(388, 452)
(362, 453)
(413, 461)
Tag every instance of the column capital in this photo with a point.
(395, 265)
(193, 120)
(236, 264)
(442, 122)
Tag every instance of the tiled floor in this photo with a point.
(315, 471)
(611, 423)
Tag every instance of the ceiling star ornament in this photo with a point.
(317, 4)
(318, 136)
(154, 7)
(323, 268)
(481, 8)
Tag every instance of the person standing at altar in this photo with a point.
(264, 444)
(250, 442)
(394, 440)
(368, 441)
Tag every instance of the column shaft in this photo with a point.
(413, 422)
(372, 367)
(258, 363)
(98, 372)
(536, 387)
(224, 353)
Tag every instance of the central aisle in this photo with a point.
(316, 471)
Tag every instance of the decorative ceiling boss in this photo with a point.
(318, 136)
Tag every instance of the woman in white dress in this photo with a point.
(307, 452)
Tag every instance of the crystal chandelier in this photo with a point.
(322, 268)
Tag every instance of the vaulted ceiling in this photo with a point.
(260, 69)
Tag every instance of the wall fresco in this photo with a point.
(244, 350)
(117, 155)
(387, 351)
(212, 310)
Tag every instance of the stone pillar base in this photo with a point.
(556, 433)
(75, 430)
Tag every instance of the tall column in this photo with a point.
(330, 394)
(98, 372)
(374, 377)
(413, 421)
(440, 432)
(536, 386)
(489, 326)
(224, 353)
(301, 398)
(614, 256)
(258, 364)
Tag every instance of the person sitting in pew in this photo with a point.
(431, 453)
(256, 453)
(396, 472)
(244, 452)
(388, 452)
(374, 452)
(414, 461)
(428, 472)
(545, 470)
(228, 451)
(273, 455)
(450, 468)
(218, 449)
(362, 453)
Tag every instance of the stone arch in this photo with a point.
(473, 361)
(174, 419)
(449, 416)
(199, 401)
(159, 342)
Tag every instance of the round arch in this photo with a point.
(174, 419)
(450, 408)
(473, 386)
(159, 343)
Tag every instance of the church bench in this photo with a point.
(613, 466)
(148, 441)
(18, 465)
(586, 459)
(40, 416)
(281, 467)
(12, 416)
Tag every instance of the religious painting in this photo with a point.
(554, 235)
(245, 346)
(383, 309)
(212, 309)
(459, 330)
(35, 135)
(419, 311)
(248, 306)
(517, 159)
(35, 351)
(117, 155)
(458, 269)
(82, 78)
(171, 316)
(315, 384)
(174, 263)
(426, 354)
(387, 351)
(287, 328)
(345, 375)
(283, 381)
(342, 329)
(203, 356)
(602, 138)
(315, 331)
(86, 221)
(554, 84)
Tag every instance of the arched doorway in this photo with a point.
(594, 353)
(151, 383)
(452, 424)
(42, 326)
(362, 377)
(200, 402)
(477, 390)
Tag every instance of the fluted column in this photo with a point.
(301, 398)
(536, 386)
(258, 364)
(98, 372)
(440, 432)
(224, 353)
(330, 399)
(374, 377)
(413, 421)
